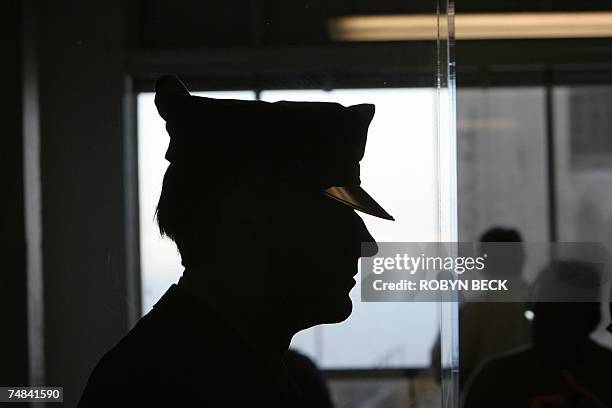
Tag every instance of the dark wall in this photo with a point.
(13, 283)
(83, 187)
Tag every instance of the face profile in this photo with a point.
(299, 250)
(278, 185)
(284, 187)
(320, 263)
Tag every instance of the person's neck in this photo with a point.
(255, 318)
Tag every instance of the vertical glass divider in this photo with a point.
(447, 195)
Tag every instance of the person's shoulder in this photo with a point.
(146, 367)
(126, 357)
(112, 378)
(132, 358)
(173, 348)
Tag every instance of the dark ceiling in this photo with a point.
(162, 24)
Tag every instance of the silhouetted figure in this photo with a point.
(488, 327)
(259, 198)
(562, 367)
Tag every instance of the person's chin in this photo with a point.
(328, 311)
(339, 310)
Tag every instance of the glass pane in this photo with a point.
(534, 166)
(583, 173)
(501, 152)
(502, 182)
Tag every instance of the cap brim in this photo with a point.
(357, 198)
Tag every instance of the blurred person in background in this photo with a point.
(490, 325)
(563, 367)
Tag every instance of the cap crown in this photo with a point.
(318, 143)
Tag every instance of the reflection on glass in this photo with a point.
(501, 143)
(502, 173)
(583, 171)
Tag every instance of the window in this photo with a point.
(502, 174)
